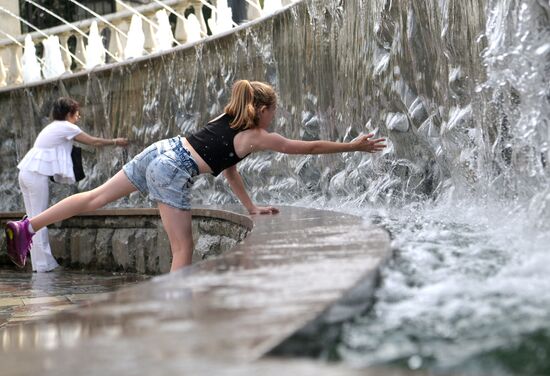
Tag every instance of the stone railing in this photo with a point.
(133, 240)
(114, 29)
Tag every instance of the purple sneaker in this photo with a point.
(19, 240)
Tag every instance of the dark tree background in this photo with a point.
(63, 8)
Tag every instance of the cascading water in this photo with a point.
(467, 291)
(136, 39)
(459, 88)
(271, 6)
(222, 18)
(192, 28)
(163, 35)
(53, 62)
(29, 62)
(95, 51)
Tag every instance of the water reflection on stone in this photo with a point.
(34, 298)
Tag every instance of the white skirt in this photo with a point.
(54, 162)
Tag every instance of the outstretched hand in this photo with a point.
(263, 210)
(121, 141)
(364, 143)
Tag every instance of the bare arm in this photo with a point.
(237, 186)
(276, 142)
(99, 141)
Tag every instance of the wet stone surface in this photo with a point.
(221, 314)
(26, 297)
(133, 240)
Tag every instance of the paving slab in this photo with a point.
(231, 310)
(24, 295)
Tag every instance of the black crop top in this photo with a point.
(214, 143)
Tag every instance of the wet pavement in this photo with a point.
(27, 296)
(219, 316)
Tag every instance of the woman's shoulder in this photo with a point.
(61, 124)
(252, 140)
(56, 132)
(252, 134)
(67, 124)
(223, 123)
(221, 116)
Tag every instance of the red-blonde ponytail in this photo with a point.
(246, 99)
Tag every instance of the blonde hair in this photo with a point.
(247, 98)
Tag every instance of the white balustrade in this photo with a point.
(74, 46)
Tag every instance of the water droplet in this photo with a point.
(414, 362)
(543, 49)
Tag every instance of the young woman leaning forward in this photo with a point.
(165, 170)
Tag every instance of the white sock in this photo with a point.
(31, 230)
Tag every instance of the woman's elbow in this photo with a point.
(229, 174)
(312, 148)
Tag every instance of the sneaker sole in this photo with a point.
(10, 238)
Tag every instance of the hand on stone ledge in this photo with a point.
(263, 210)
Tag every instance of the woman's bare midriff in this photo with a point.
(203, 167)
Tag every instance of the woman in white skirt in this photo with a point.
(51, 156)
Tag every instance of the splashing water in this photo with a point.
(466, 281)
(468, 289)
(271, 6)
(163, 35)
(136, 39)
(29, 62)
(463, 189)
(192, 28)
(222, 19)
(53, 62)
(95, 51)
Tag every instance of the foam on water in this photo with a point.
(468, 290)
(467, 280)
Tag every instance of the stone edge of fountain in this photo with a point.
(223, 303)
(132, 240)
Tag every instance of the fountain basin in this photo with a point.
(232, 309)
(133, 240)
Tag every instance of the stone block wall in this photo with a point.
(113, 240)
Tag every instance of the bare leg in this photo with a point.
(177, 224)
(113, 189)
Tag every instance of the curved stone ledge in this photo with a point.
(291, 269)
(133, 240)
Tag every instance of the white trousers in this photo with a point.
(36, 196)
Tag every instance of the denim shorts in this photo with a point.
(164, 171)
